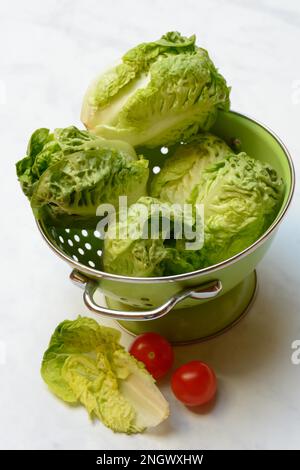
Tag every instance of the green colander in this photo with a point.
(186, 307)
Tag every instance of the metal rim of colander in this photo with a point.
(186, 276)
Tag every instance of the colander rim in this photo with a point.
(94, 273)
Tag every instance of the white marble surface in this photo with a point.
(48, 53)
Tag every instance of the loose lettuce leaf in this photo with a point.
(86, 364)
(181, 172)
(241, 198)
(161, 92)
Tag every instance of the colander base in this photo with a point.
(200, 323)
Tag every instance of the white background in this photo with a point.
(49, 51)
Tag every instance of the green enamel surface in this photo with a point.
(198, 322)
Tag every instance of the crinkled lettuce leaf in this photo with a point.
(181, 172)
(86, 364)
(71, 172)
(46, 148)
(161, 92)
(79, 183)
(131, 248)
(241, 198)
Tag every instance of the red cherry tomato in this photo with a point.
(194, 383)
(155, 352)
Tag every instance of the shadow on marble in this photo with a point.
(252, 344)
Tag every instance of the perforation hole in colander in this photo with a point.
(82, 245)
(85, 246)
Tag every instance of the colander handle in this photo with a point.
(207, 290)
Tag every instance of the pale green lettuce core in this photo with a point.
(181, 172)
(161, 92)
(147, 253)
(72, 172)
(86, 364)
